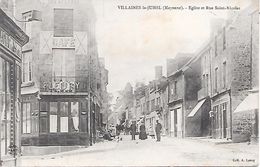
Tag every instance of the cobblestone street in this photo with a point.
(170, 151)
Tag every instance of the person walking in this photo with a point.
(133, 130)
(142, 134)
(158, 128)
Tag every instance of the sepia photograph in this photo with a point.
(129, 83)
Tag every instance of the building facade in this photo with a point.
(12, 38)
(61, 76)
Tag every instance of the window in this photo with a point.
(153, 104)
(64, 126)
(147, 106)
(158, 101)
(75, 116)
(216, 80)
(27, 25)
(224, 74)
(26, 117)
(217, 116)
(27, 66)
(63, 63)
(224, 38)
(63, 22)
(203, 81)
(83, 117)
(175, 87)
(207, 83)
(35, 117)
(5, 105)
(53, 116)
(216, 46)
(172, 91)
(43, 117)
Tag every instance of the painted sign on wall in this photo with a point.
(60, 86)
(7, 41)
(63, 42)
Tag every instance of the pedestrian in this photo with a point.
(158, 128)
(142, 134)
(133, 130)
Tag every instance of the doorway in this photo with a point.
(224, 123)
(175, 123)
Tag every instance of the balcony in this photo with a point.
(63, 85)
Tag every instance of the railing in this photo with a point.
(64, 84)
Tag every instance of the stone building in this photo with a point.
(12, 38)
(245, 119)
(62, 78)
(183, 86)
(228, 70)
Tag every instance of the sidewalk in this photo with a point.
(211, 140)
(98, 147)
(244, 147)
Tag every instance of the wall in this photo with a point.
(255, 49)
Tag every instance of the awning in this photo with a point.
(196, 108)
(249, 103)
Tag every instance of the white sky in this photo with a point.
(134, 41)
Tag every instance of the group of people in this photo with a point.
(142, 132)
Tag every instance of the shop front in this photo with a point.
(12, 38)
(221, 119)
(57, 120)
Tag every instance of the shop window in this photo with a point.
(63, 22)
(26, 118)
(83, 117)
(43, 117)
(27, 66)
(64, 117)
(75, 116)
(53, 117)
(5, 105)
(35, 116)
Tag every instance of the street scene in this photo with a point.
(169, 152)
(129, 83)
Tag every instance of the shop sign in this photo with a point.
(63, 42)
(60, 86)
(7, 41)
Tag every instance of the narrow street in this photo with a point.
(170, 151)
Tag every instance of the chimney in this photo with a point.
(158, 72)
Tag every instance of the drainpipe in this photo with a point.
(183, 106)
(231, 114)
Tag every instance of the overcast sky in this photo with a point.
(134, 41)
